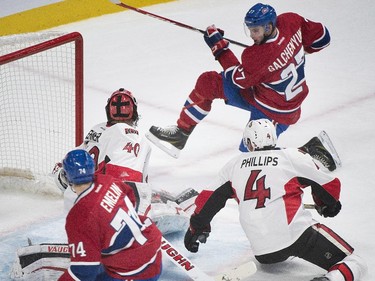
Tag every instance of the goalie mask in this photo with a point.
(259, 134)
(79, 167)
(122, 107)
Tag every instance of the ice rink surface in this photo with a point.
(159, 62)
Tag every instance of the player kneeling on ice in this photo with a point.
(107, 239)
(119, 149)
(268, 183)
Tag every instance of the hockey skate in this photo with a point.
(186, 200)
(185, 195)
(321, 149)
(170, 139)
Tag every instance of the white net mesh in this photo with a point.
(37, 103)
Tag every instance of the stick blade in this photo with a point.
(328, 144)
(238, 273)
(163, 145)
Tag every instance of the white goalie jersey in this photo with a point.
(118, 150)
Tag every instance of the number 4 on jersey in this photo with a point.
(256, 189)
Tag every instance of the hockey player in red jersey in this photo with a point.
(107, 239)
(268, 184)
(269, 81)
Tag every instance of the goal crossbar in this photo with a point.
(70, 37)
(20, 50)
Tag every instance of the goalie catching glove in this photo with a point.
(215, 40)
(59, 176)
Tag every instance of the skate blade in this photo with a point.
(328, 144)
(163, 145)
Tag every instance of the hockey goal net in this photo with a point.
(41, 100)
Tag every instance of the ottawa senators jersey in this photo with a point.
(104, 228)
(268, 186)
(119, 150)
(271, 76)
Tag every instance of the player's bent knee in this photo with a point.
(210, 85)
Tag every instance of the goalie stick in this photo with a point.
(309, 206)
(187, 266)
(180, 24)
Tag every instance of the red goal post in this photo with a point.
(41, 100)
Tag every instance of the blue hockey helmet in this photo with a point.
(79, 166)
(260, 15)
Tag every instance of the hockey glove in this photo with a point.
(329, 211)
(214, 39)
(192, 237)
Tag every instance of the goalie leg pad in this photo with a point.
(169, 217)
(41, 262)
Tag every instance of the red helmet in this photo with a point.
(121, 107)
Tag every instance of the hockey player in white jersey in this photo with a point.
(119, 150)
(268, 183)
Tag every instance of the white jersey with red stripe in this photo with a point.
(119, 150)
(267, 186)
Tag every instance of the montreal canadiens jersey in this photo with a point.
(270, 196)
(271, 76)
(103, 227)
(119, 150)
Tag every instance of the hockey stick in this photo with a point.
(180, 24)
(182, 262)
(309, 206)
